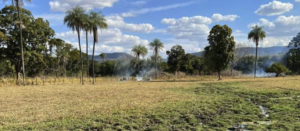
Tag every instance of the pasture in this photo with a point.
(186, 104)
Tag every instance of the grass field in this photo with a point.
(182, 105)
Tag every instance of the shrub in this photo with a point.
(277, 68)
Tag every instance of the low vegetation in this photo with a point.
(188, 105)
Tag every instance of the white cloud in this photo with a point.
(282, 26)
(297, 1)
(192, 32)
(219, 17)
(117, 21)
(274, 8)
(111, 40)
(134, 13)
(276, 41)
(194, 28)
(64, 5)
(169, 21)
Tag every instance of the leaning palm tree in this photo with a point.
(19, 4)
(256, 34)
(103, 55)
(75, 20)
(97, 21)
(156, 46)
(88, 28)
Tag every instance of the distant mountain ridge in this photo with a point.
(262, 51)
(111, 56)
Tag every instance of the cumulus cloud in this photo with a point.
(64, 5)
(219, 17)
(276, 41)
(111, 40)
(194, 28)
(118, 22)
(282, 26)
(274, 8)
(192, 32)
(297, 1)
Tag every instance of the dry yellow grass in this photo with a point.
(35, 104)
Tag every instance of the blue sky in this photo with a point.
(184, 22)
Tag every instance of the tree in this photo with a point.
(220, 50)
(293, 55)
(75, 20)
(239, 53)
(156, 46)
(256, 34)
(35, 36)
(59, 44)
(97, 21)
(19, 4)
(277, 68)
(175, 58)
(245, 64)
(138, 51)
(87, 26)
(102, 55)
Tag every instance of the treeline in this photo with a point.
(46, 55)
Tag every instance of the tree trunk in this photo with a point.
(93, 62)
(255, 61)
(155, 65)
(64, 65)
(219, 74)
(87, 55)
(57, 65)
(78, 32)
(21, 43)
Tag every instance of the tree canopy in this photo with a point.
(220, 50)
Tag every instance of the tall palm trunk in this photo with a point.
(156, 65)
(21, 43)
(255, 60)
(78, 32)
(87, 56)
(93, 62)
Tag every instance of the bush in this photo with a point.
(277, 68)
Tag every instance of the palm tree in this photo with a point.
(103, 55)
(19, 4)
(256, 34)
(88, 28)
(75, 20)
(97, 21)
(156, 46)
(138, 51)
